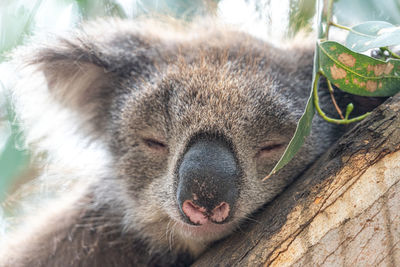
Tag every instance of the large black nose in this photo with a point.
(208, 181)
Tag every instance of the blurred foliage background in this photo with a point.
(20, 19)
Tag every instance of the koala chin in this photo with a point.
(190, 118)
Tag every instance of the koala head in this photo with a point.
(193, 120)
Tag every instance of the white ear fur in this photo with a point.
(56, 104)
(75, 84)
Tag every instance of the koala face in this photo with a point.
(194, 145)
(193, 121)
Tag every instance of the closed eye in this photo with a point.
(271, 147)
(154, 144)
(270, 150)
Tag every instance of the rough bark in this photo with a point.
(344, 211)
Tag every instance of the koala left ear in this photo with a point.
(69, 73)
(83, 71)
(75, 76)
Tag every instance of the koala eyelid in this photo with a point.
(269, 149)
(154, 144)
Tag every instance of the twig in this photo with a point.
(334, 100)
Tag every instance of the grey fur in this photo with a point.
(122, 81)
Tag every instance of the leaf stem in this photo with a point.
(340, 26)
(334, 100)
(348, 29)
(392, 54)
(322, 113)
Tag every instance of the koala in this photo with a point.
(187, 121)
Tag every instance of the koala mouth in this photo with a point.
(208, 231)
(205, 224)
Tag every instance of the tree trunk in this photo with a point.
(344, 211)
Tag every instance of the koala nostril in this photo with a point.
(220, 213)
(199, 215)
(195, 213)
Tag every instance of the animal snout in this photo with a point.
(208, 185)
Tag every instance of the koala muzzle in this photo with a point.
(208, 182)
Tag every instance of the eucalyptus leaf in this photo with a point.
(356, 73)
(303, 128)
(372, 34)
(302, 131)
(351, 12)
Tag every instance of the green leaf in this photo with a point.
(351, 12)
(372, 34)
(303, 128)
(356, 73)
(302, 131)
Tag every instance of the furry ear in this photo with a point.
(83, 71)
(77, 78)
(69, 85)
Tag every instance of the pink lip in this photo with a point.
(205, 230)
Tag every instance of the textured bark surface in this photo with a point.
(344, 211)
